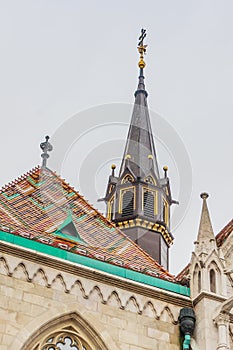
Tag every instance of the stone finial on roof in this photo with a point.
(46, 147)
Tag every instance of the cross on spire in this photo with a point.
(142, 37)
(142, 50)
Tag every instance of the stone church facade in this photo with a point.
(72, 279)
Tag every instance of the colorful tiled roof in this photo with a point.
(41, 206)
(224, 233)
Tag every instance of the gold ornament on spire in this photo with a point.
(142, 49)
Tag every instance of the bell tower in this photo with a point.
(138, 200)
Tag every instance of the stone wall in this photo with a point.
(33, 295)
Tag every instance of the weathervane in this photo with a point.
(142, 49)
(46, 147)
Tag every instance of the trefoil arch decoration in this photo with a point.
(127, 179)
(150, 180)
(63, 340)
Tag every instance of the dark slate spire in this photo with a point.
(138, 200)
(139, 154)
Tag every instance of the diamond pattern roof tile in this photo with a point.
(36, 206)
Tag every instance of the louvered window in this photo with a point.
(149, 204)
(127, 203)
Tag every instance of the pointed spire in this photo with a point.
(46, 147)
(139, 155)
(205, 238)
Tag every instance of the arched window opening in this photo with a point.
(127, 202)
(212, 281)
(149, 203)
(199, 281)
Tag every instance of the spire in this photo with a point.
(205, 238)
(138, 201)
(139, 154)
(46, 147)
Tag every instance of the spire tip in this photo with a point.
(204, 195)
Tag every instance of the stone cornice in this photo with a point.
(95, 275)
(207, 295)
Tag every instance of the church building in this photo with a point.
(73, 279)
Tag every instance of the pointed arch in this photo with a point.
(70, 329)
(212, 277)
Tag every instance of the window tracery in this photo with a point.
(63, 340)
(150, 180)
(67, 332)
(127, 178)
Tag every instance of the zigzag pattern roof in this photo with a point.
(39, 204)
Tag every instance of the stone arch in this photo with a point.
(71, 324)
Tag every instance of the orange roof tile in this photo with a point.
(224, 233)
(39, 203)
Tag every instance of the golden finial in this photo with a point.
(113, 166)
(142, 49)
(165, 169)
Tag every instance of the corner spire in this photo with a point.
(205, 237)
(46, 147)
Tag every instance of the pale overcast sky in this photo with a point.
(59, 58)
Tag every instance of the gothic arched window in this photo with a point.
(67, 332)
(212, 281)
(199, 281)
